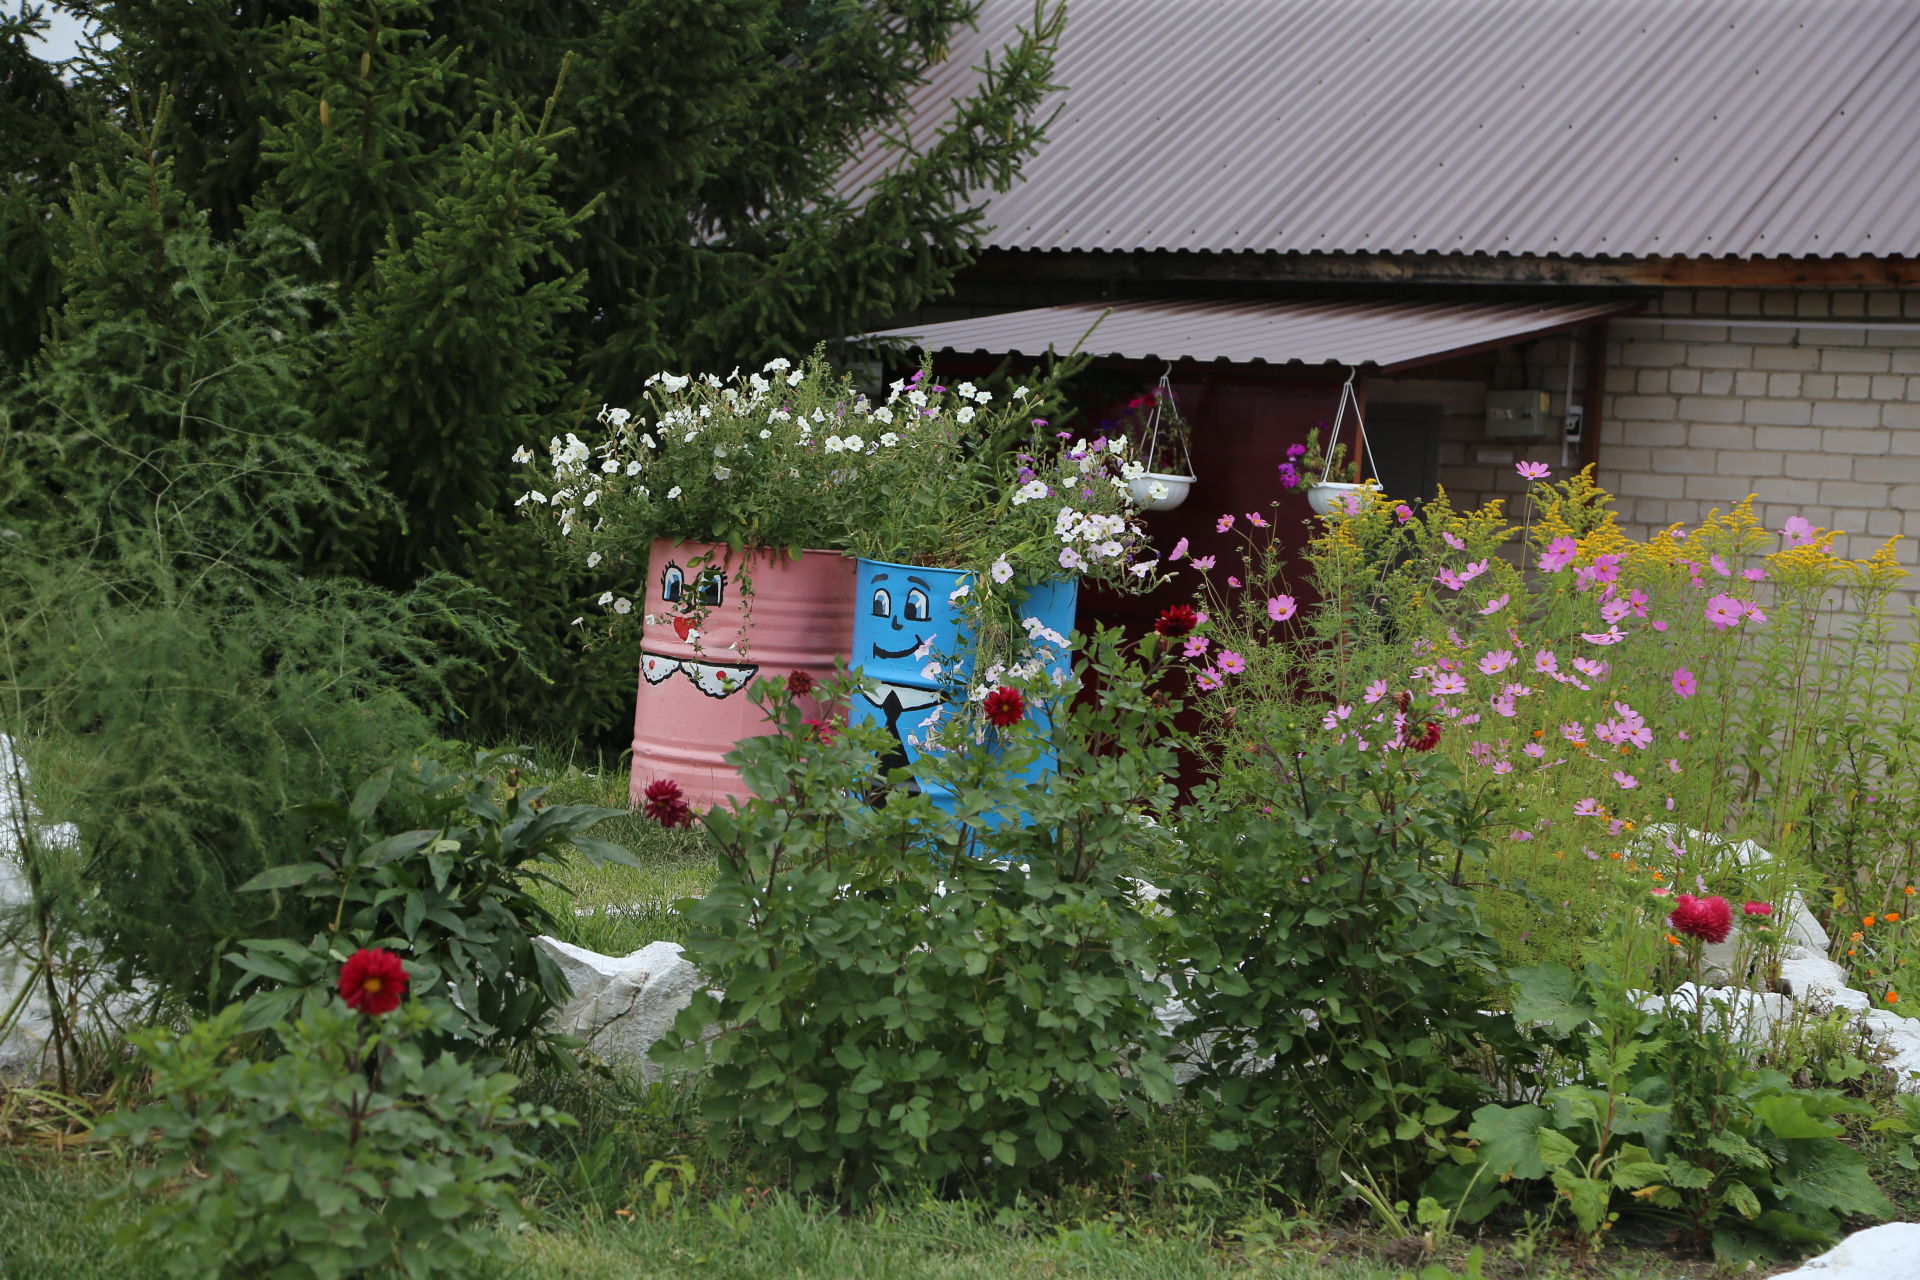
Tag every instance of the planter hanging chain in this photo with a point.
(1349, 396)
(1163, 394)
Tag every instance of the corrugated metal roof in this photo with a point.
(1385, 335)
(1607, 128)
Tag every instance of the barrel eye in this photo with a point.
(672, 583)
(882, 603)
(710, 588)
(917, 610)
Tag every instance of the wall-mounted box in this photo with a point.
(1518, 415)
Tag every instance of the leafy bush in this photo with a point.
(438, 865)
(912, 998)
(351, 1154)
(1663, 1110)
(1336, 970)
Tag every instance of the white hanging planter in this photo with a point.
(1158, 491)
(1328, 497)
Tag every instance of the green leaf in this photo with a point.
(1786, 1114)
(1550, 994)
(1827, 1173)
(290, 876)
(1509, 1139)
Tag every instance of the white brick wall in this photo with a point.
(1818, 422)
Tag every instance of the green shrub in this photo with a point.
(351, 1154)
(909, 997)
(1336, 971)
(441, 866)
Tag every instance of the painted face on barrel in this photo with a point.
(904, 602)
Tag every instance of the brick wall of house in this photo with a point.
(1818, 418)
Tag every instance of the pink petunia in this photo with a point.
(1280, 608)
(1684, 683)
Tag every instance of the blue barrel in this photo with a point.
(904, 618)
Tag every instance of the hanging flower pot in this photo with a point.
(1331, 497)
(909, 645)
(715, 620)
(1158, 491)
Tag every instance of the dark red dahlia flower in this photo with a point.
(373, 982)
(1176, 620)
(800, 683)
(1004, 707)
(666, 805)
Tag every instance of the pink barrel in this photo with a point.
(717, 620)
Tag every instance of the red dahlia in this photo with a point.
(800, 683)
(1708, 919)
(373, 982)
(1176, 620)
(1426, 740)
(666, 805)
(1004, 707)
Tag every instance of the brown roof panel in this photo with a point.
(1384, 335)
(1603, 128)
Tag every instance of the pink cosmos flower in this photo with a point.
(1453, 541)
(1719, 565)
(1495, 605)
(1532, 470)
(1333, 718)
(1196, 645)
(1179, 549)
(1723, 611)
(1447, 684)
(1223, 524)
(1684, 683)
(1375, 691)
(1473, 571)
(1754, 575)
(1658, 624)
(1503, 705)
(1280, 608)
(1799, 531)
(1496, 661)
(1637, 600)
(1501, 766)
(1673, 765)
(1208, 680)
(1535, 749)
(1612, 635)
(1558, 555)
(1545, 661)
(1202, 563)
(1257, 520)
(1626, 780)
(1233, 581)
(1591, 668)
(1639, 735)
(1231, 663)
(1573, 731)
(1449, 579)
(1614, 610)
(1588, 808)
(1403, 513)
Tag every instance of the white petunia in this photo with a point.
(1110, 548)
(1070, 559)
(623, 605)
(965, 389)
(594, 559)
(606, 598)
(523, 455)
(834, 444)
(673, 493)
(1019, 393)
(795, 378)
(889, 439)
(723, 473)
(854, 444)
(766, 433)
(1142, 569)
(578, 622)
(964, 415)
(883, 414)
(592, 497)
(1001, 571)
(776, 364)
(959, 593)
(610, 466)
(633, 468)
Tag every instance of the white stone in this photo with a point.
(1890, 1251)
(1750, 1015)
(623, 1005)
(1805, 972)
(1802, 927)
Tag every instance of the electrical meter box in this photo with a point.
(1518, 415)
